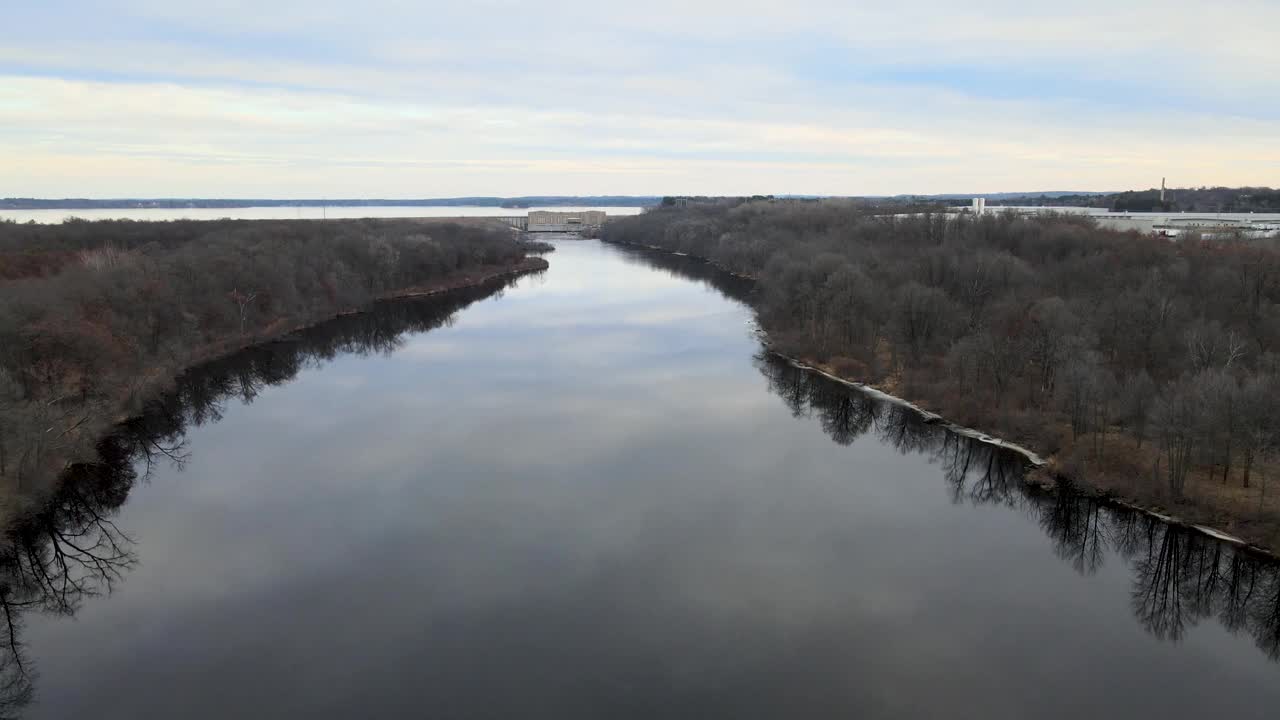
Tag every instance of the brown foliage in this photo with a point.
(1045, 329)
(94, 315)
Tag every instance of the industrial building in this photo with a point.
(566, 221)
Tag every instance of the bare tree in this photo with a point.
(1210, 347)
(921, 313)
(1050, 328)
(1137, 392)
(1175, 421)
(1086, 393)
(1219, 418)
(242, 301)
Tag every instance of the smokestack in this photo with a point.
(1161, 191)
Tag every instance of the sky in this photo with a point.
(405, 99)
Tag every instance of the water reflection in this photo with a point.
(1180, 576)
(549, 591)
(688, 268)
(70, 549)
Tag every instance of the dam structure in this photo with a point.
(555, 221)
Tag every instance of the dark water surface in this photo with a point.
(590, 495)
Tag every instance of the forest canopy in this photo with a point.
(1147, 367)
(96, 316)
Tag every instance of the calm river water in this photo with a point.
(591, 495)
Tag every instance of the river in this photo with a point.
(591, 494)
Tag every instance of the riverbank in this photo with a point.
(97, 318)
(490, 458)
(457, 281)
(1049, 470)
(81, 438)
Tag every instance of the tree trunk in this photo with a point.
(1226, 460)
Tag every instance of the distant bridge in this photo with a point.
(556, 222)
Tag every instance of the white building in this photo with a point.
(573, 221)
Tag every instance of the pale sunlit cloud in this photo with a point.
(395, 99)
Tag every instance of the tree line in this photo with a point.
(68, 548)
(1201, 199)
(96, 316)
(1148, 368)
(1179, 577)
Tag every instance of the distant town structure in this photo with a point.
(554, 221)
(1162, 224)
(572, 221)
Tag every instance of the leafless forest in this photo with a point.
(95, 317)
(1144, 367)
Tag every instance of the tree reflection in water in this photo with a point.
(1180, 576)
(71, 549)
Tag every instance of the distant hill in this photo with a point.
(511, 202)
(1203, 199)
(1053, 194)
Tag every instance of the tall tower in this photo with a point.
(1161, 191)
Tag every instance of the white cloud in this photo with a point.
(401, 99)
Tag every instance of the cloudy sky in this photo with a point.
(389, 98)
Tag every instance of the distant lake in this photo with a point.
(285, 213)
(592, 494)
